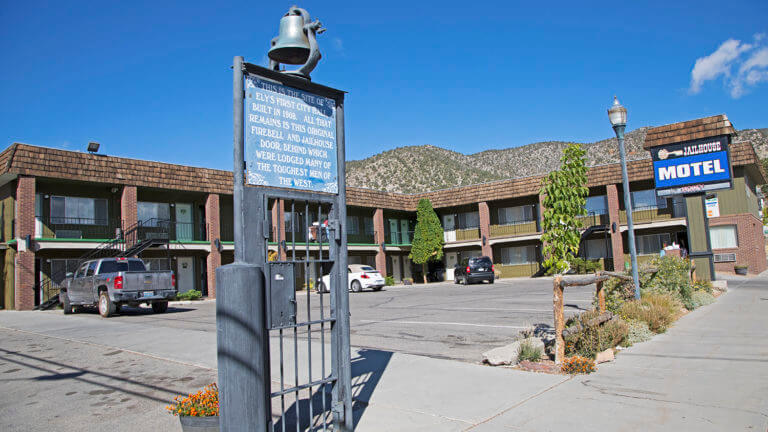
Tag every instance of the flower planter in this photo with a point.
(199, 424)
(741, 270)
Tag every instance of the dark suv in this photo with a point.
(474, 270)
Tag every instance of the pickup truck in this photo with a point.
(113, 282)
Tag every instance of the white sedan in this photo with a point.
(359, 276)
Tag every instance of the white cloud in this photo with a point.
(750, 61)
(338, 45)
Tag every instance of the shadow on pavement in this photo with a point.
(367, 369)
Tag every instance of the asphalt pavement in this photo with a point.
(708, 372)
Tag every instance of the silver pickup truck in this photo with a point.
(113, 282)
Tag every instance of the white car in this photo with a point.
(360, 276)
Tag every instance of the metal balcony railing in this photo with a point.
(523, 226)
(654, 213)
(399, 237)
(76, 228)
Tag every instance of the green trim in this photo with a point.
(190, 242)
(11, 242)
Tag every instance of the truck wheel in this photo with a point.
(106, 307)
(65, 303)
(160, 307)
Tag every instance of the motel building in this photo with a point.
(57, 206)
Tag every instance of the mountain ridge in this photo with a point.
(414, 169)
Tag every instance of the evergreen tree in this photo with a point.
(428, 239)
(564, 193)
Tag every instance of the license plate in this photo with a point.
(481, 269)
(148, 294)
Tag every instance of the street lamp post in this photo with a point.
(618, 116)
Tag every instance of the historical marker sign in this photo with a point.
(692, 167)
(290, 137)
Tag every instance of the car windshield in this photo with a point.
(367, 268)
(118, 266)
(484, 261)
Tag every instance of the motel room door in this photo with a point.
(185, 273)
(449, 227)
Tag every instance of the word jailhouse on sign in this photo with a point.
(693, 166)
(290, 137)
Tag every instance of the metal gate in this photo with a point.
(307, 340)
(282, 308)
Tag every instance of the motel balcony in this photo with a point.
(524, 226)
(655, 213)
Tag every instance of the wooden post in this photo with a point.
(600, 296)
(557, 300)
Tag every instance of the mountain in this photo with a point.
(415, 169)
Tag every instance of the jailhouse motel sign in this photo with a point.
(692, 166)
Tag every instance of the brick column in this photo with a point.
(129, 211)
(378, 235)
(24, 280)
(278, 224)
(485, 228)
(617, 242)
(213, 224)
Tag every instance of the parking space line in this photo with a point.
(444, 324)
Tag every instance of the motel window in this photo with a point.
(468, 220)
(515, 215)
(724, 236)
(597, 248)
(518, 255)
(597, 205)
(651, 244)
(78, 211)
(152, 213)
(157, 264)
(368, 225)
(647, 199)
(353, 224)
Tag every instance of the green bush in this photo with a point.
(673, 276)
(189, 295)
(658, 310)
(701, 298)
(528, 351)
(593, 339)
(617, 292)
(638, 331)
(389, 280)
(703, 285)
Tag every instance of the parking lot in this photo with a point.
(438, 320)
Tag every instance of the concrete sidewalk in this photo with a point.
(708, 372)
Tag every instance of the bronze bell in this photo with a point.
(291, 46)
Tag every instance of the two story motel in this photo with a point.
(57, 205)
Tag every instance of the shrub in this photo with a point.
(637, 331)
(593, 339)
(201, 404)
(701, 298)
(189, 295)
(617, 292)
(611, 334)
(703, 285)
(578, 365)
(658, 310)
(583, 266)
(673, 276)
(389, 281)
(528, 351)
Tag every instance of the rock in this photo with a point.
(605, 356)
(507, 355)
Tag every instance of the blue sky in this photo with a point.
(152, 80)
